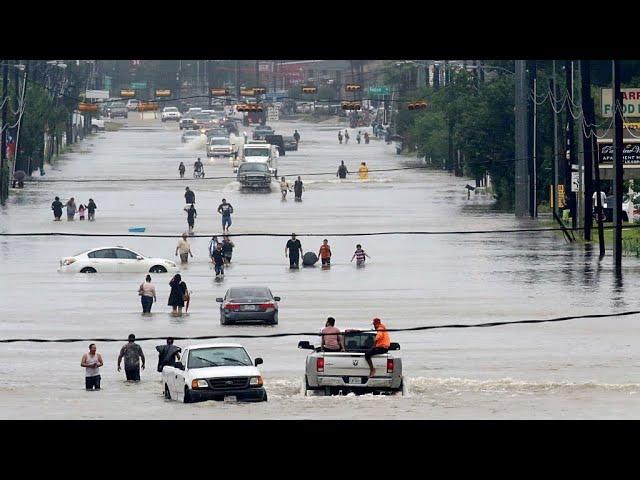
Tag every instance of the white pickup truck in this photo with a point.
(215, 371)
(331, 373)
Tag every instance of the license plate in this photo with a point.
(249, 307)
(355, 380)
(230, 399)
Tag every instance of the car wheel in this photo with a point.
(274, 320)
(167, 393)
(88, 270)
(187, 396)
(157, 269)
(404, 389)
(223, 321)
(264, 399)
(304, 390)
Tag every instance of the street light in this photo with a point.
(19, 66)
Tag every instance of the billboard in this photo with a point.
(630, 151)
(630, 102)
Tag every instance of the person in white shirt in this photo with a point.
(184, 248)
(92, 361)
(147, 292)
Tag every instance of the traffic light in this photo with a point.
(247, 92)
(147, 106)
(351, 105)
(352, 87)
(309, 90)
(127, 93)
(219, 92)
(87, 107)
(259, 90)
(163, 93)
(249, 107)
(417, 106)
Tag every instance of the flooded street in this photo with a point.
(576, 369)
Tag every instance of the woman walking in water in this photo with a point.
(71, 209)
(178, 294)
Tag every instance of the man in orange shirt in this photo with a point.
(325, 253)
(381, 344)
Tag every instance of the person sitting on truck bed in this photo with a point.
(380, 346)
(331, 338)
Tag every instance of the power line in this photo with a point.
(288, 234)
(317, 334)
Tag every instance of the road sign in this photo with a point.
(125, 92)
(382, 90)
(96, 94)
(138, 85)
(273, 114)
(163, 93)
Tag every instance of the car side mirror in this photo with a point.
(219, 299)
(258, 361)
(394, 346)
(179, 365)
(304, 344)
(277, 299)
(138, 257)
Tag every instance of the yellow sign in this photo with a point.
(632, 126)
(163, 93)
(561, 198)
(127, 93)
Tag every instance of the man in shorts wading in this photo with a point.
(92, 361)
(132, 353)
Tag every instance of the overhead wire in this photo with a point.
(319, 334)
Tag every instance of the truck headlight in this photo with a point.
(195, 384)
(255, 381)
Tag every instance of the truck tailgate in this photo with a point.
(353, 364)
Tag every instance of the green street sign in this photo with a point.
(138, 85)
(383, 90)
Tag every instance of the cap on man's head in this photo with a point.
(132, 337)
(376, 320)
(169, 340)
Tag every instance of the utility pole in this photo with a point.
(522, 183)
(238, 80)
(570, 157)
(257, 73)
(4, 177)
(617, 166)
(556, 173)
(532, 159)
(589, 117)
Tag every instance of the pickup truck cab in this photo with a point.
(214, 371)
(332, 373)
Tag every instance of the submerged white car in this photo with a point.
(115, 260)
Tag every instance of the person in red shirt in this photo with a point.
(325, 253)
(380, 346)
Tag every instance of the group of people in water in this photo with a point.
(72, 209)
(346, 136)
(363, 171)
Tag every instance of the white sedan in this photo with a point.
(115, 260)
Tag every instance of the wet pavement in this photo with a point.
(575, 369)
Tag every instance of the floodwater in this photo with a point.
(574, 369)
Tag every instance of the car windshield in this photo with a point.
(218, 357)
(218, 141)
(171, 109)
(118, 105)
(192, 133)
(248, 293)
(256, 152)
(201, 116)
(358, 341)
(253, 167)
